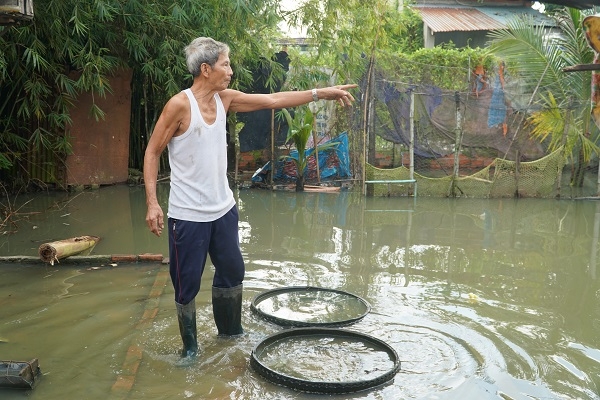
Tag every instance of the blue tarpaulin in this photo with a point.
(334, 163)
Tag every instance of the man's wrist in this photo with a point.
(315, 96)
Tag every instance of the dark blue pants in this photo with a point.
(189, 245)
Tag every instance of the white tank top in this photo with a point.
(198, 159)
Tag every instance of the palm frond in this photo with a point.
(532, 55)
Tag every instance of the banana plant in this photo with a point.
(299, 131)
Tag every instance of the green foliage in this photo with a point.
(406, 30)
(562, 108)
(5, 162)
(346, 36)
(74, 46)
(562, 113)
(15, 146)
(446, 67)
(299, 130)
(306, 72)
(346, 32)
(343, 40)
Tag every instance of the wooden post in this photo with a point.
(314, 110)
(457, 139)
(366, 116)
(233, 136)
(411, 143)
(272, 147)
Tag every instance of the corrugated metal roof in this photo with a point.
(445, 19)
(505, 14)
(450, 19)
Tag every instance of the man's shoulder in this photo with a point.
(178, 100)
(227, 94)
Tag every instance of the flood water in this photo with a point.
(481, 299)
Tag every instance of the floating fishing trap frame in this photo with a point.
(313, 344)
(316, 344)
(286, 306)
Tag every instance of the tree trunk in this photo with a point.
(578, 170)
(300, 183)
(579, 174)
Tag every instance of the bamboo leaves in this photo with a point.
(74, 46)
(33, 56)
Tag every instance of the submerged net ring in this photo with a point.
(306, 306)
(325, 360)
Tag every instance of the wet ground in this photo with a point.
(481, 299)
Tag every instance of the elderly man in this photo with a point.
(202, 214)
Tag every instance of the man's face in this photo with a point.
(220, 74)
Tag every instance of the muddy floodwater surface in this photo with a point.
(481, 299)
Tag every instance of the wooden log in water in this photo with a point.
(54, 251)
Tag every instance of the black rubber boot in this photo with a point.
(186, 314)
(227, 310)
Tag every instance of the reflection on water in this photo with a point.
(481, 299)
(310, 306)
(115, 214)
(347, 359)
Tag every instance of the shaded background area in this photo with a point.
(258, 125)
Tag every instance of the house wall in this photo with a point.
(428, 37)
(101, 148)
(467, 23)
(471, 39)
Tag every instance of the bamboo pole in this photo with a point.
(54, 251)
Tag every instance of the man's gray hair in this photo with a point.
(203, 50)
